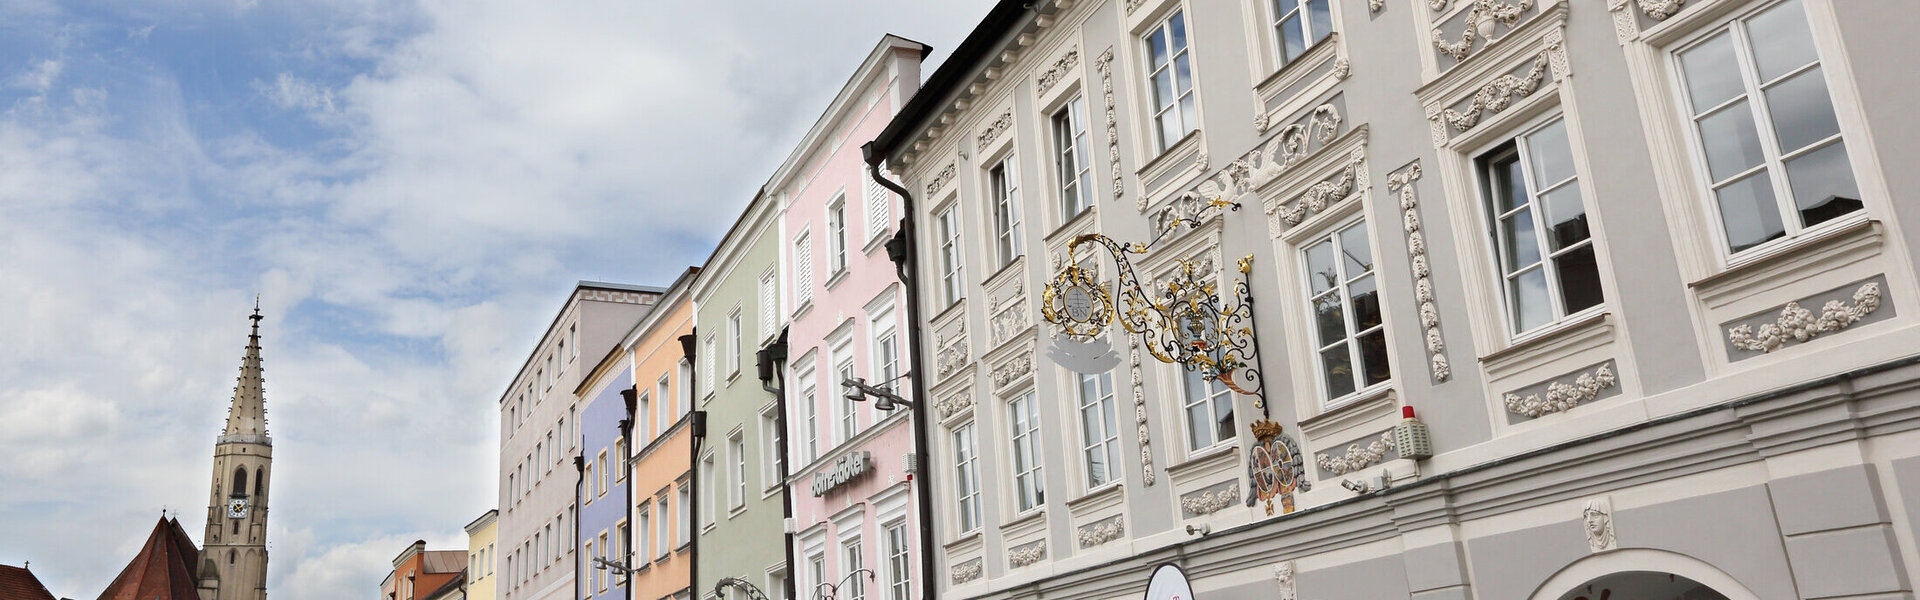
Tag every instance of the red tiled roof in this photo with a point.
(19, 584)
(163, 569)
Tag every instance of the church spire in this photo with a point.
(247, 416)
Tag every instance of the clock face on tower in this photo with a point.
(237, 508)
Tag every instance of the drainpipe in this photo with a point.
(901, 250)
(698, 426)
(772, 364)
(630, 397)
(579, 479)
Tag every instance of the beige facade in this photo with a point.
(234, 559)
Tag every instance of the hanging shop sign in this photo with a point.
(1169, 583)
(844, 471)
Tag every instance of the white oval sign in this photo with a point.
(1169, 583)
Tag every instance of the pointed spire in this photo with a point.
(247, 416)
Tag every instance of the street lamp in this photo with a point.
(753, 591)
(833, 590)
(857, 390)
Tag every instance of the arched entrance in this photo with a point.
(1641, 573)
(1637, 585)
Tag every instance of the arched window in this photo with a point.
(230, 556)
(259, 481)
(240, 482)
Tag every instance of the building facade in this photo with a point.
(234, 565)
(540, 438)
(482, 558)
(1640, 267)
(421, 574)
(737, 297)
(661, 513)
(855, 532)
(604, 531)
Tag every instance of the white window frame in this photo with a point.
(1215, 393)
(953, 261)
(1303, 11)
(810, 407)
(1003, 198)
(885, 348)
(737, 448)
(1072, 157)
(663, 506)
(770, 440)
(899, 563)
(684, 533)
(1023, 427)
(802, 269)
(735, 345)
(836, 237)
(643, 432)
(770, 302)
(1105, 438)
(966, 465)
(710, 472)
(879, 206)
(1494, 236)
(644, 531)
(846, 412)
(1340, 292)
(1156, 109)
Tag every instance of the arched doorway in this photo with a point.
(1642, 585)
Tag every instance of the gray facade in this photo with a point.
(1649, 332)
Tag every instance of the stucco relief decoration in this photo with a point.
(1011, 314)
(1059, 70)
(1094, 534)
(1283, 580)
(1140, 416)
(1624, 25)
(1257, 168)
(1562, 396)
(993, 130)
(1026, 555)
(1376, 5)
(1211, 501)
(1321, 195)
(1659, 10)
(1499, 94)
(1480, 23)
(1133, 5)
(1799, 324)
(940, 180)
(952, 404)
(1013, 370)
(967, 571)
(1438, 5)
(1597, 519)
(1275, 468)
(952, 353)
(1342, 68)
(1402, 184)
(1357, 456)
(1104, 64)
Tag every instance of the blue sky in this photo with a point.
(411, 186)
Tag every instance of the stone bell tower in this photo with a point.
(233, 562)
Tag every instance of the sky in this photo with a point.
(411, 186)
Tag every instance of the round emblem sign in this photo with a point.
(1079, 304)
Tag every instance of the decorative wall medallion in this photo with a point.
(1094, 534)
(1283, 578)
(1342, 68)
(1660, 9)
(954, 403)
(1104, 64)
(1597, 519)
(1140, 416)
(967, 571)
(1498, 94)
(952, 353)
(1376, 5)
(1402, 184)
(1275, 468)
(1260, 120)
(1480, 25)
(1209, 501)
(993, 130)
(1799, 324)
(1059, 70)
(1013, 370)
(1357, 456)
(1321, 195)
(940, 180)
(1020, 556)
(1563, 396)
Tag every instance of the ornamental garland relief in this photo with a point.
(1500, 93)
(940, 180)
(1563, 396)
(1402, 184)
(1058, 71)
(1027, 555)
(1480, 23)
(1357, 456)
(954, 403)
(1800, 325)
(1013, 370)
(993, 130)
(1104, 64)
(1295, 143)
(1211, 501)
(1094, 534)
(967, 571)
(1321, 195)
(1140, 415)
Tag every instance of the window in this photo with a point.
(662, 508)
(777, 585)
(810, 427)
(622, 542)
(1298, 25)
(645, 539)
(1099, 429)
(803, 269)
(707, 377)
(1765, 129)
(886, 351)
(642, 434)
(685, 533)
(850, 562)
(686, 385)
(847, 412)
(664, 409)
(734, 347)
(1209, 406)
(620, 459)
(709, 472)
(737, 449)
(588, 492)
(837, 235)
(953, 268)
(899, 567)
(770, 440)
(1071, 160)
(817, 569)
(1024, 420)
(1531, 188)
(1170, 69)
(1003, 188)
(1345, 302)
(563, 356)
(600, 575)
(602, 460)
(966, 477)
(879, 206)
(769, 302)
(573, 333)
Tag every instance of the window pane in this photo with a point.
(1509, 186)
(1292, 43)
(1781, 40)
(1522, 249)
(1801, 112)
(1579, 279)
(1322, 19)
(1366, 303)
(1199, 435)
(1337, 365)
(1732, 143)
(1712, 72)
(1354, 248)
(1551, 155)
(1282, 7)
(1188, 120)
(1183, 71)
(1321, 275)
(1162, 89)
(1169, 129)
(1373, 358)
(1823, 185)
(1748, 212)
(1178, 23)
(1566, 217)
(1156, 48)
(1329, 322)
(1530, 302)
(1222, 416)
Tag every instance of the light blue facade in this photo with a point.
(603, 489)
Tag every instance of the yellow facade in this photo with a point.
(481, 560)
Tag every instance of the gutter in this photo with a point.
(901, 250)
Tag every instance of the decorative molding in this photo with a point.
(1094, 534)
(1059, 70)
(1438, 5)
(1283, 580)
(953, 403)
(1402, 184)
(1563, 396)
(1257, 168)
(952, 354)
(1499, 94)
(1210, 501)
(1342, 68)
(1104, 64)
(1357, 456)
(967, 571)
(1321, 195)
(993, 130)
(1013, 370)
(1260, 120)
(1140, 415)
(1625, 26)
(1799, 325)
(1133, 5)
(1374, 6)
(1026, 555)
(1480, 23)
(1597, 519)
(939, 180)
(1659, 10)
(1011, 314)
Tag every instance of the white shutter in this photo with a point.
(879, 205)
(769, 304)
(803, 270)
(708, 376)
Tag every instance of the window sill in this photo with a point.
(837, 276)
(878, 241)
(1779, 251)
(1358, 408)
(801, 310)
(1586, 329)
(1026, 517)
(1288, 75)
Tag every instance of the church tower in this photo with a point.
(234, 557)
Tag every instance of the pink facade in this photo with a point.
(851, 493)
